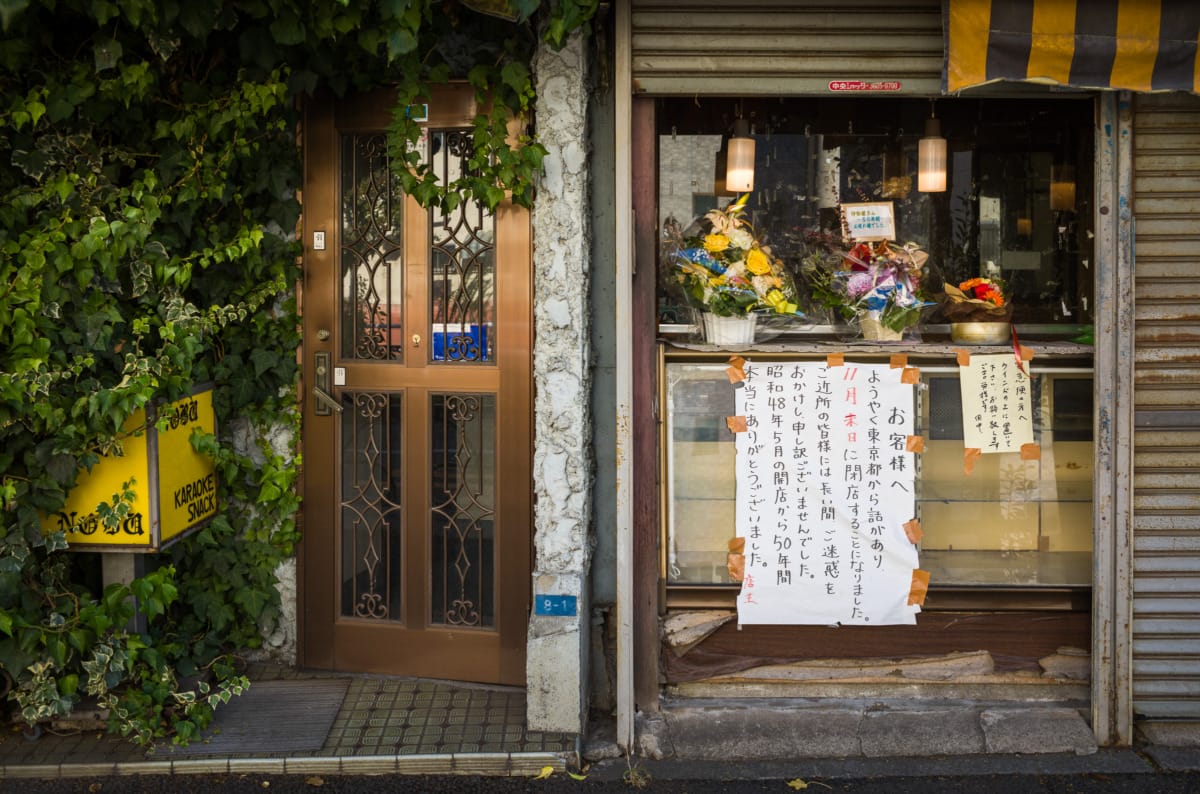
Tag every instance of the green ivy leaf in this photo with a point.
(288, 29)
(10, 9)
(107, 54)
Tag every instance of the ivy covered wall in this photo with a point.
(149, 176)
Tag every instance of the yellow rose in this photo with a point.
(757, 262)
(715, 242)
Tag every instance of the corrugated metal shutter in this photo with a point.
(1166, 586)
(780, 47)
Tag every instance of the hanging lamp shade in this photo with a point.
(739, 172)
(931, 159)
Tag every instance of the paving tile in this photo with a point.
(142, 767)
(201, 765)
(531, 763)
(311, 766)
(269, 766)
(97, 769)
(26, 771)
(369, 765)
(435, 764)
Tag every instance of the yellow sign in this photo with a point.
(175, 487)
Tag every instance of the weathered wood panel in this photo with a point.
(1016, 640)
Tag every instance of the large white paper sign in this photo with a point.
(996, 404)
(825, 484)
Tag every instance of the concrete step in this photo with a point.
(757, 729)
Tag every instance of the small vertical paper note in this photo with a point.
(997, 409)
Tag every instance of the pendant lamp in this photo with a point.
(739, 173)
(931, 158)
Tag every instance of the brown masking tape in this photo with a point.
(735, 560)
(736, 424)
(912, 530)
(910, 375)
(964, 358)
(1031, 452)
(835, 359)
(919, 588)
(970, 455)
(736, 565)
(898, 361)
(914, 444)
(737, 369)
(1026, 353)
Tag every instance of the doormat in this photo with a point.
(273, 717)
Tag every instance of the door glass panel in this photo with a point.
(462, 519)
(463, 272)
(371, 491)
(372, 275)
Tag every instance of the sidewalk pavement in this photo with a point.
(297, 723)
(293, 722)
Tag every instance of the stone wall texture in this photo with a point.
(556, 664)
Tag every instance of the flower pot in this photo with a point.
(737, 330)
(980, 333)
(875, 331)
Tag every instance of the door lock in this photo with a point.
(416, 340)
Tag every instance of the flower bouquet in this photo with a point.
(727, 272)
(878, 286)
(978, 311)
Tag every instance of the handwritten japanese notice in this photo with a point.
(874, 221)
(825, 484)
(996, 404)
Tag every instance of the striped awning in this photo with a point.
(1138, 45)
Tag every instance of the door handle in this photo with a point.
(327, 400)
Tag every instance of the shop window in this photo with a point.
(1011, 522)
(1008, 212)
(1017, 202)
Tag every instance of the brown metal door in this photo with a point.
(417, 443)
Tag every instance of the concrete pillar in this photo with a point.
(556, 666)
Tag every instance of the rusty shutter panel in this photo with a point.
(782, 47)
(1166, 582)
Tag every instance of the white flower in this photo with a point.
(740, 238)
(721, 223)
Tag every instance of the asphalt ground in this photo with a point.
(621, 777)
(1154, 782)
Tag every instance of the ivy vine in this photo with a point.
(149, 181)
